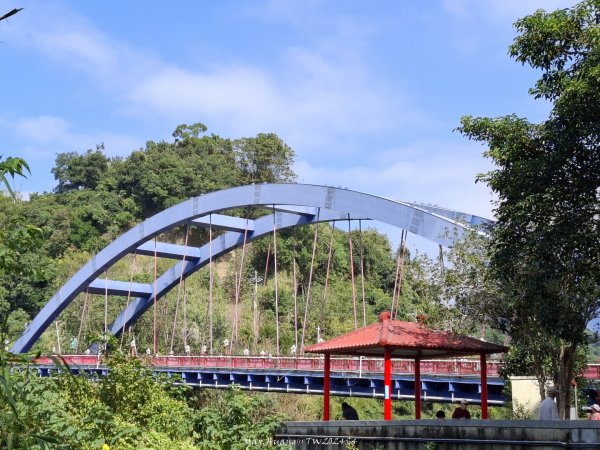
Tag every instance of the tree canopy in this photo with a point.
(546, 244)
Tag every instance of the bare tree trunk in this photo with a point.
(565, 376)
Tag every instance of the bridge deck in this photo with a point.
(442, 381)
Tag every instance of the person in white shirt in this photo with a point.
(226, 348)
(548, 408)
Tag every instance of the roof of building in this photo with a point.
(405, 340)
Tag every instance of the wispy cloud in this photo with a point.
(311, 94)
(435, 172)
(471, 20)
(73, 41)
(47, 135)
(500, 11)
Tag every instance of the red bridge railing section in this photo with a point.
(455, 367)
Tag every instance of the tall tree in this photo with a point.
(74, 171)
(264, 159)
(546, 244)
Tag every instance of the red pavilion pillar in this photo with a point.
(417, 388)
(484, 396)
(326, 377)
(387, 384)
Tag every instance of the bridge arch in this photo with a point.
(292, 205)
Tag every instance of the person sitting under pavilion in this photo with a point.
(461, 412)
(348, 412)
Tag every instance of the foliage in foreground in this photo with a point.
(128, 409)
(235, 422)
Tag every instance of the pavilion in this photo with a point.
(396, 339)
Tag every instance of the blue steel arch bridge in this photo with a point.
(287, 206)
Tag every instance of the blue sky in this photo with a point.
(367, 93)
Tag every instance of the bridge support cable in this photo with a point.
(310, 275)
(298, 202)
(399, 275)
(57, 337)
(267, 264)
(352, 275)
(276, 281)
(238, 288)
(329, 253)
(210, 284)
(187, 232)
(133, 258)
(295, 287)
(82, 318)
(362, 272)
(154, 296)
(105, 335)
(185, 321)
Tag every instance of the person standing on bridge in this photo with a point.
(73, 345)
(462, 412)
(133, 347)
(548, 408)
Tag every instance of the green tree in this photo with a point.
(264, 159)
(74, 171)
(545, 251)
(164, 174)
(466, 283)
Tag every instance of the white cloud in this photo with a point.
(44, 129)
(427, 171)
(86, 48)
(72, 40)
(48, 135)
(237, 92)
(470, 22)
(317, 96)
(312, 94)
(500, 11)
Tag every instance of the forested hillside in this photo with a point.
(97, 198)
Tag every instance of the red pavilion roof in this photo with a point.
(405, 339)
